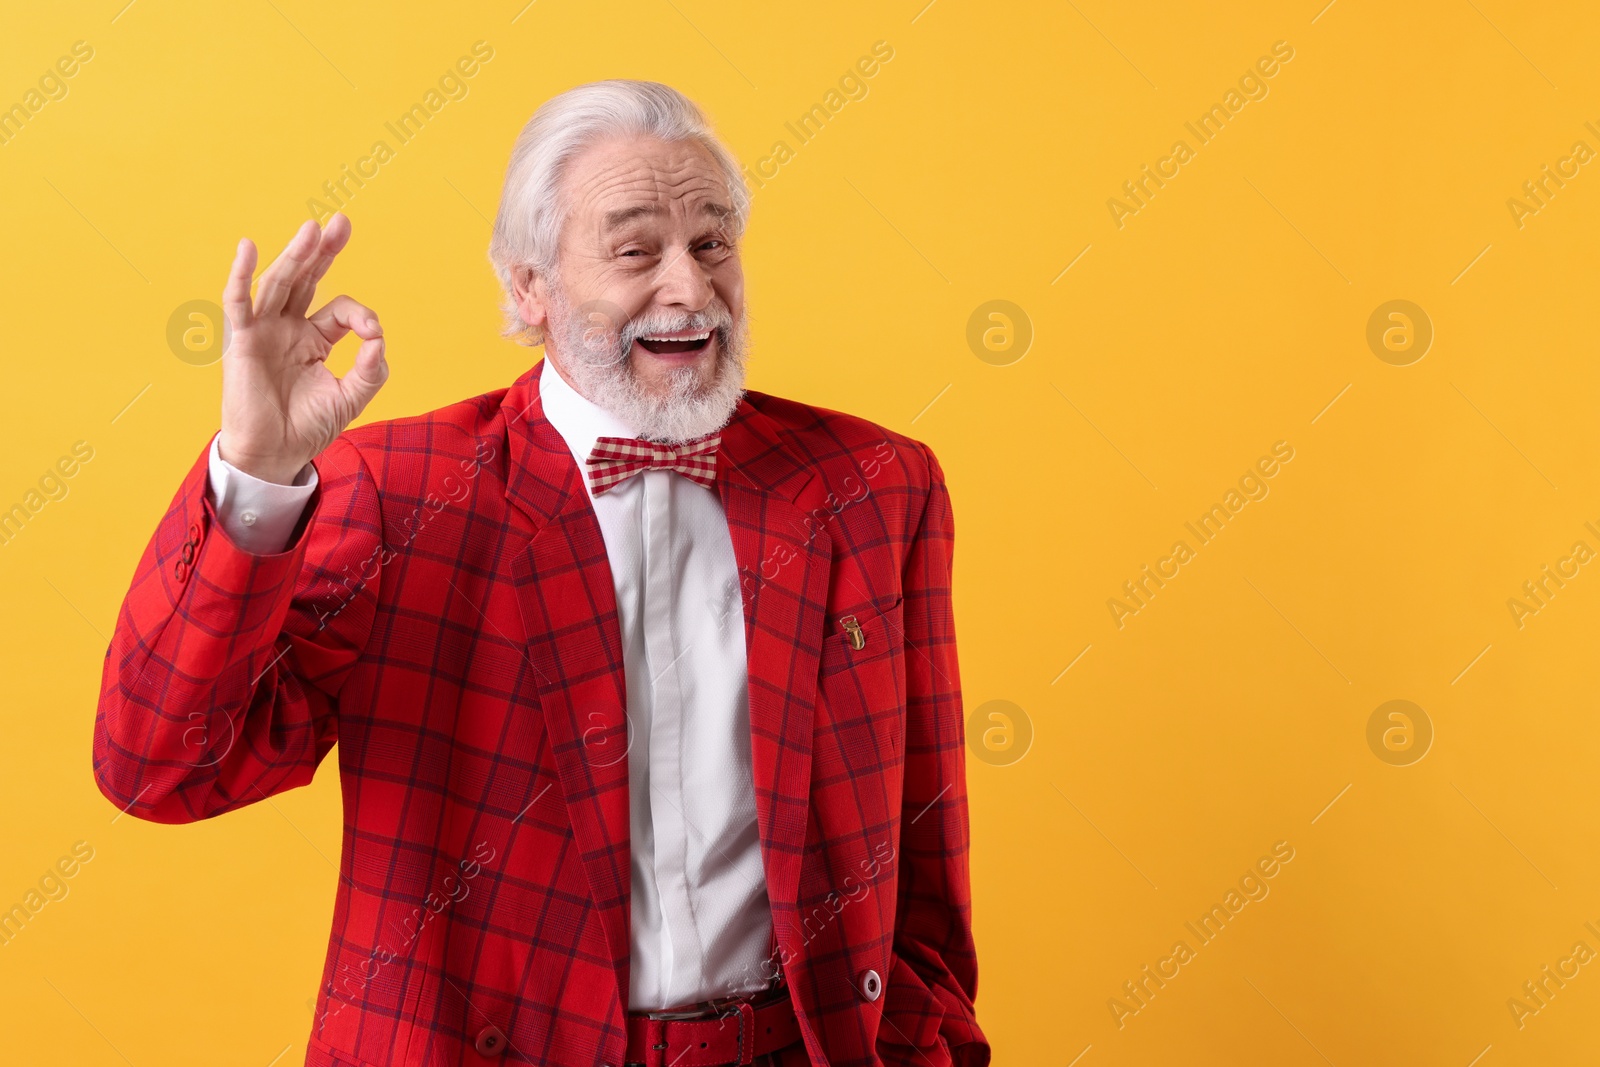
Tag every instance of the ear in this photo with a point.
(531, 296)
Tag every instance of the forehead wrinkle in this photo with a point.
(641, 180)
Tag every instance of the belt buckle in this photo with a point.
(704, 1009)
(718, 1007)
(700, 1012)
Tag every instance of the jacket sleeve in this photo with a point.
(933, 929)
(221, 681)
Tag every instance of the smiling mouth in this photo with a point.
(673, 345)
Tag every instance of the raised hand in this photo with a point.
(281, 406)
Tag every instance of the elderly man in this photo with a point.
(644, 685)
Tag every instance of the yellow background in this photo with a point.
(1226, 315)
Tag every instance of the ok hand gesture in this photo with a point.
(281, 406)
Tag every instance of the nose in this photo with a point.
(684, 281)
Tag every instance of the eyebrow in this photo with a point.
(621, 216)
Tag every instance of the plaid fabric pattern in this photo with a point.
(616, 459)
(445, 617)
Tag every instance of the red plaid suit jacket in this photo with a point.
(446, 614)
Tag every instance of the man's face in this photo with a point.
(650, 285)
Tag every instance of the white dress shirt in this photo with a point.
(701, 921)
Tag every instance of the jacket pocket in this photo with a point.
(911, 1013)
(860, 706)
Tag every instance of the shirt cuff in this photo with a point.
(257, 516)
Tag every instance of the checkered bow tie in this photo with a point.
(616, 459)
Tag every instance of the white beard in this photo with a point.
(594, 343)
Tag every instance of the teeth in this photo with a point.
(691, 337)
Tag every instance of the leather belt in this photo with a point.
(729, 1031)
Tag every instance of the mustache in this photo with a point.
(606, 335)
(714, 317)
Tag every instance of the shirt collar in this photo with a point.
(578, 420)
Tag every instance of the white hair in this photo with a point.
(527, 229)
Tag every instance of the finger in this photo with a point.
(362, 382)
(280, 275)
(333, 240)
(236, 294)
(335, 236)
(343, 314)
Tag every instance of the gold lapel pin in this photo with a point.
(853, 632)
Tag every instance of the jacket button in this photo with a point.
(869, 985)
(491, 1041)
(194, 532)
(180, 572)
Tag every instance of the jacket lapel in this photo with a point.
(783, 578)
(564, 590)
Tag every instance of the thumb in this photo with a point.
(362, 382)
